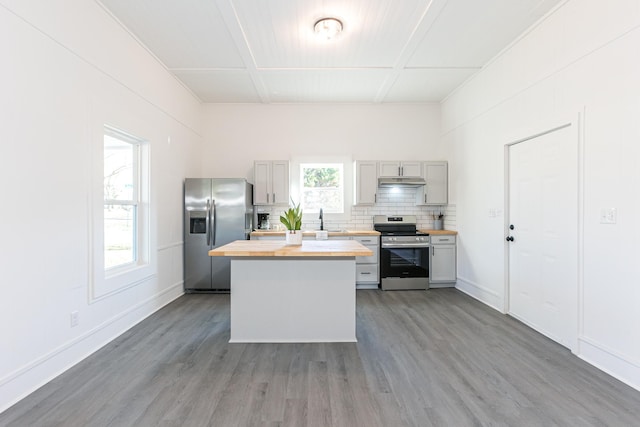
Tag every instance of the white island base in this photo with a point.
(299, 299)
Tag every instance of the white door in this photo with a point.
(543, 211)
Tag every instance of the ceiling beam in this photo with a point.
(232, 22)
(429, 16)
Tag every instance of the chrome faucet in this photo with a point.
(321, 220)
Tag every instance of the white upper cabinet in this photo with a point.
(280, 182)
(435, 191)
(271, 182)
(261, 183)
(366, 182)
(396, 168)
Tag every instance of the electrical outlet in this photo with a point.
(608, 216)
(75, 318)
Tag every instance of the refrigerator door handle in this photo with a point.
(213, 222)
(208, 223)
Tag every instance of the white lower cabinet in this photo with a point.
(367, 267)
(442, 261)
(367, 274)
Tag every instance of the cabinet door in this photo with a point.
(394, 169)
(437, 183)
(366, 273)
(435, 192)
(442, 268)
(366, 182)
(411, 169)
(261, 183)
(389, 169)
(280, 182)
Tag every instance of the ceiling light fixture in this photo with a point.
(328, 27)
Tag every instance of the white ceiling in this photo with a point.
(265, 51)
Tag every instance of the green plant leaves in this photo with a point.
(292, 218)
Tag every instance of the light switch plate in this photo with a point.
(608, 216)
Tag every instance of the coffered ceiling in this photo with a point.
(266, 51)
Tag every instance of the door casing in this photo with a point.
(577, 128)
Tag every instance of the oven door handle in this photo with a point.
(404, 245)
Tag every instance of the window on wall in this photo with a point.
(122, 219)
(121, 214)
(322, 186)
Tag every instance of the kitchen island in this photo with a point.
(282, 293)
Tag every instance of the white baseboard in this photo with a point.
(609, 361)
(20, 383)
(482, 294)
(441, 285)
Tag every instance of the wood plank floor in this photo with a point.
(435, 358)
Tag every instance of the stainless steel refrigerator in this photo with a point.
(216, 211)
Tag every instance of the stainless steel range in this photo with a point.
(404, 253)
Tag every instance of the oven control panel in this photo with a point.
(406, 239)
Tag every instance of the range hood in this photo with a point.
(401, 181)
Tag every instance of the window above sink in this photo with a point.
(322, 187)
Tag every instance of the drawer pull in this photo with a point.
(365, 272)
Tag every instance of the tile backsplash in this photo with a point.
(391, 201)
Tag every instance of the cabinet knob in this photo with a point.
(510, 239)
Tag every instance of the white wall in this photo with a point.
(583, 57)
(245, 132)
(238, 134)
(68, 68)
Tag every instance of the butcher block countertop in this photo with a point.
(440, 232)
(279, 248)
(313, 233)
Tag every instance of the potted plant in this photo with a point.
(292, 220)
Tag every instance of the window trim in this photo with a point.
(323, 165)
(133, 201)
(107, 282)
(347, 171)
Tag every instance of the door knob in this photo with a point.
(510, 239)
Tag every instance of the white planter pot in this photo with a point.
(294, 237)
